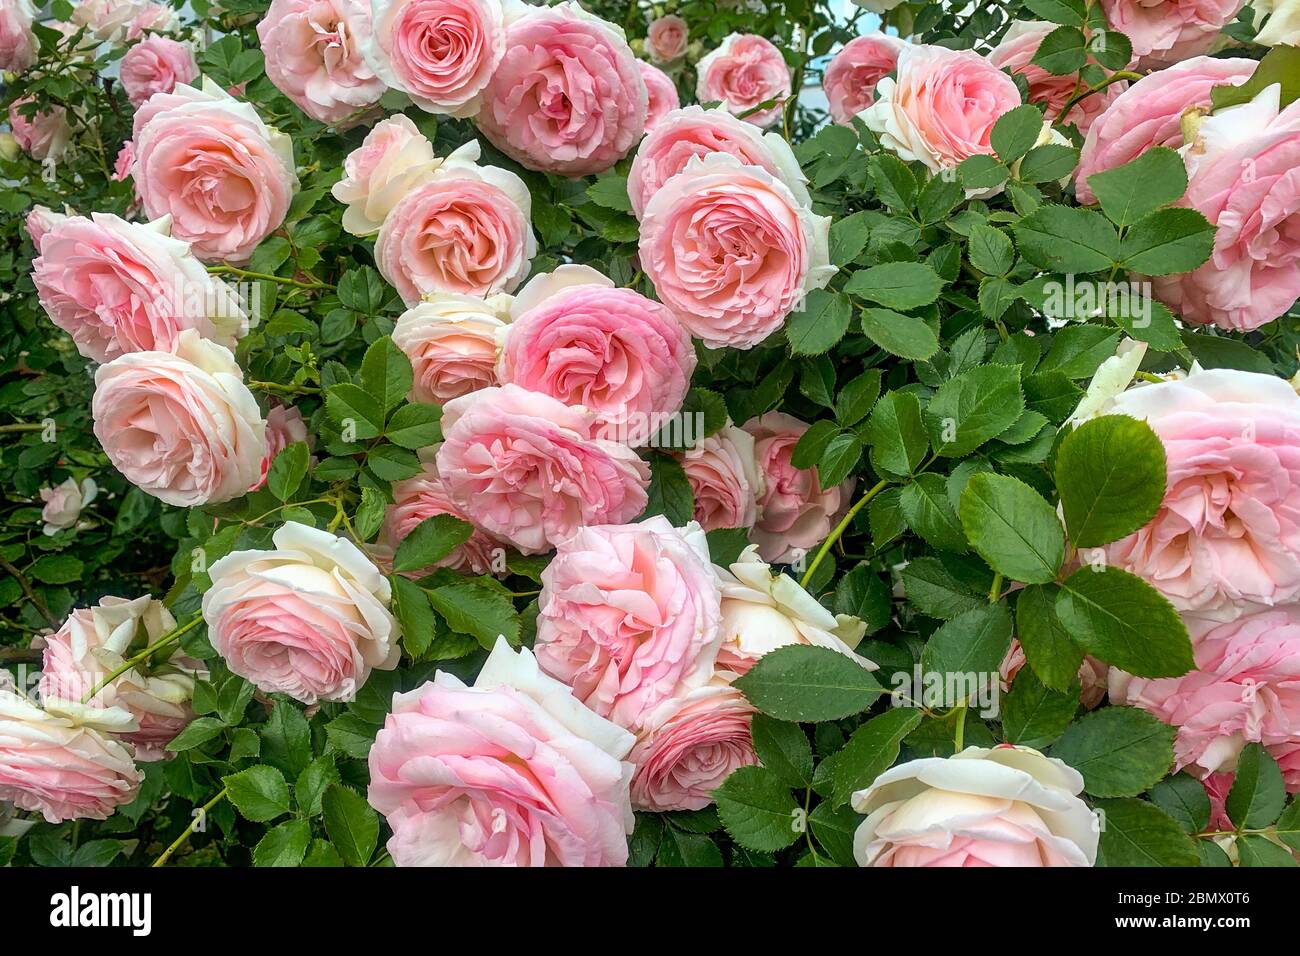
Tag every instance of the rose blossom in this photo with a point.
(118, 287)
(17, 42)
(724, 478)
(155, 65)
(745, 71)
(209, 161)
(441, 53)
(661, 92)
(629, 616)
(731, 250)
(567, 97)
(576, 337)
(1015, 53)
(464, 228)
(181, 426)
(510, 772)
(1149, 113)
(1228, 530)
(393, 158)
(45, 135)
(107, 20)
(155, 17)
(1282, 27)
(96, 641)
(667, 39)
(690, 744)
(284, 427)
(1245, 689)
(63, 503)
(853, 73)
(60, 759)
(452, 342)
(309, 618)
(1166, 31)
(528, 469)
(1242, 176)
(942, 107)
(1092, 674)
(795, 512)
(762, 611)
(40, 220)
(694, 131)
(419, 498)
(1005, 806)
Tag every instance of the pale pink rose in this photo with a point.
(1287, 756)
(1166, 31)
(528, 469)
(852, 75)
(43, 136)
(181, 426)
(64, 502)
(1228, 530)
(795, 513)
(155, 65)
(209, 161)
(1015, 52)
(441, 53)
(393, 158)
(732, 251)
(692, 131)
(313, 52)
(1242, 175)
(464, 229)
(510, 772)
(107, 20)
(124, 162)
(17, 42)
(421, 497)
(1005, 806)
(628, 616)
(284, 426)
(942, 107)
(689, 745)
(662, 93)
(1092, 674)
(567, 97)
(61, 761)
(40, 220)
(667, 39)
(622, 356)
(725, 479)
(452, 342)
(309, 618)
(152, 17)
(1149, 113)
(1282, 26)
(119, 287)
(1245, 689)
(96, 641)
(743, 73)
(1217, 786)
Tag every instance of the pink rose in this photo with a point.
(416, 499)
(1016, 51)
(1245, 689)
(661, 92)
(528, 469)
(17, 42)
(1149, 113)
(689, 746)
(125, 160)
(724, 478)
(1166, 31)
(119, 287)
(693, 131)
(1217, 786)
(209, 161)
(667, 39)
(942, 107)
(622, 356)
(284, 426)
(452, 342)
(155, 65)
(441, 53)
(44, 135)
(568, 96)
(309, 618)
(155, 17)
(393, 158)
(107, 20)
(464, 229)
(510, 772)
(313, 56)
(63, 503)
(60, 760)
(704, 223)
(1228, 531)
(795, 512)
(40, 220)
(96, 641)
(1242, 175)
(853, 73)
(742, 74)
(181, 426)
(629, 616)
(1092, 675)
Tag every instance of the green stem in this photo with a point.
(180, 840)
(840, 528)
(959, 734)
(1115, 77)
(167, 640)
(995, 591)
(22, 427)
(266, 277)
(284, 389)
(31, 595)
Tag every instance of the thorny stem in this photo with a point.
(167, 640)
(180, 840)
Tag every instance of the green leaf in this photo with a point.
(288, 468)
(670, 492)
(482, 612)
(1067, 239)
(982, 171)
(258, 793)
(1258, 793)
(1048, 163)
(1067, 12)
(430, 541)
(313, 782)
(1062, 51)
(802, 683)
(415, 426)
(974, 642)
(1167, 241)
(757, 809)
(839, 458)
(1141, 186)
(783, 749)
(197, 733)
(834, 829)
(857, 398)
(687, 849)
(1048, 647)
(990, 249)
(863, 594)
(56, 569)
(346, 403)
(1015, 133)
(896, 285)
(414, 614)
(610, 190)
(386, 373)
(283, 845)
(1137, 833)
(906, 336)
(821, 324)
(930, 513)
(1012, 528)
(975, 406)
(848, 237)
(1124, 621)
(1121, 751)
(870, 751)
(286, 740)
(362, 290)
(349, 734)
(1110, 473)
(392, 463)
(935, 592)
(1034, 715)
(353, 827)
(1254, 849)
(1183, 797)
(1281, 65)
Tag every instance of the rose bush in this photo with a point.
(478, 432)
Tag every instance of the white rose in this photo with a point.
(1282, 26)
(63, 503)
(393, 158)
